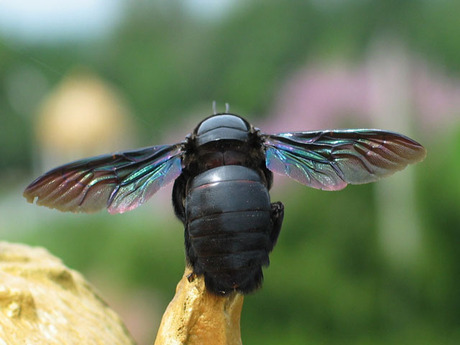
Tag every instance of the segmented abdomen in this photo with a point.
(228, 225)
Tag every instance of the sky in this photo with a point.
(55, 20)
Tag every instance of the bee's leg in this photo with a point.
(190, 253)
(277, 214)
(178, 197)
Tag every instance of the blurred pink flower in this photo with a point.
(437, 97)
(338, 95)
(317, 97)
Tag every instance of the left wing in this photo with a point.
(332, 159)
(120, 181)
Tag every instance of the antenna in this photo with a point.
(214, 107)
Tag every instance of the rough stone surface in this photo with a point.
(44, 302)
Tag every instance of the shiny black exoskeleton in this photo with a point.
(222, 198)
(222, 173)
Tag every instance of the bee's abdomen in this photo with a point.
(228, 228)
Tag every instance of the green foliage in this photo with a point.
(167, 63)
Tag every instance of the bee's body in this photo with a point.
(222, 174)
(222, 198)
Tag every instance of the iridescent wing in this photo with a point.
(119, 182)
(331, 159)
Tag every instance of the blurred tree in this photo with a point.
(168, 62)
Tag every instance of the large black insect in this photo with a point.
(223, 172)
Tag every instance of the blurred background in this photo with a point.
(372, 264)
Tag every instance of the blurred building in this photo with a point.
(83, 116)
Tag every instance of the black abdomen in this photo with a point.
(228, 227)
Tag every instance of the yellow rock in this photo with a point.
(44, 302)
(196, 317)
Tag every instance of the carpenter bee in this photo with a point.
(222, 175)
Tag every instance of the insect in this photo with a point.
(223, 173)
